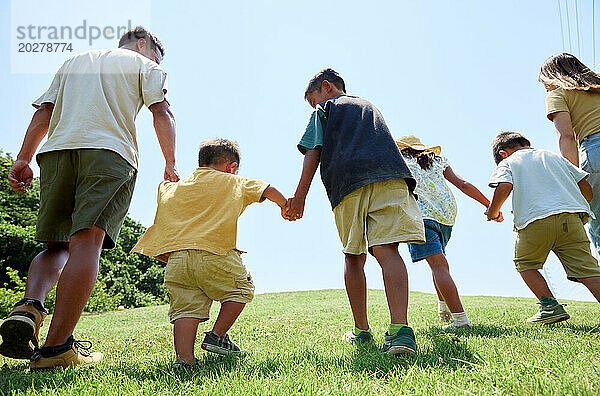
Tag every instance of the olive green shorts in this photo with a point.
(562, 234)
(379, 213)
(196, 278)
(80, 189)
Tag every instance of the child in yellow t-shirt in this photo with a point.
(194, 231)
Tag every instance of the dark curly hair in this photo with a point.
(508, 140)
(217, 151)
(326, 74)
(424, 158)
(138, 33)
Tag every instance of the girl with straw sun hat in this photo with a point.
(438, 209)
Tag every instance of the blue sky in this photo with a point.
(453, 73)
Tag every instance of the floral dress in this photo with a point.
(435, 199)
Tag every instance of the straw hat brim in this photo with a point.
(419, 146)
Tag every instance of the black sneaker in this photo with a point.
(220, 345)
(363, 338)
(403, 342)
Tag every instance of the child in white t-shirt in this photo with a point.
(438, 209)
(550, 205)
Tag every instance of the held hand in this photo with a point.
(283, 212)
(286, 208)
(497, 218)
(500, 218)
(171, 173)
(20, 176)
(294, 208)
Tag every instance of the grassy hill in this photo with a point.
(294, 344)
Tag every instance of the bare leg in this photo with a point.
(536, 283)
(45, 270)
(184, 335)
(593, 284)
(395, 280)
(75, 284)
(229, 312)
(437, 291)
(356, 288)
(444, 282)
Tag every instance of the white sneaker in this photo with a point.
(445, 316)
(453, 326)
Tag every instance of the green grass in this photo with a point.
(294, 343)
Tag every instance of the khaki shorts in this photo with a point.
(380, 213)
(80, 189)
(196, 278)
(563, 234)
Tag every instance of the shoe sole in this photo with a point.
(17, 336)
(219, 350)
(400, 350)
(46, 368)
(453, 328)
(550, 320)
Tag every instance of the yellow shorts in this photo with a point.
(196, 278)
(380, 213)
(563, 234)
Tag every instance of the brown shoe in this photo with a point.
(71, 353)
(20, 331)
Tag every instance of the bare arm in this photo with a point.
(466, 187)
(273, 195)
(164, 125)
(20, 174)
(295, 205)
(500, 195)
(586, 189)
(566, 137)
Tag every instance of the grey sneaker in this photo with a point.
(363, 338)
(549, 314)
(177, 365)
(220, 345)
(400, 343)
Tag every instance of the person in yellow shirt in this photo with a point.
(194, 232)
(573, 105)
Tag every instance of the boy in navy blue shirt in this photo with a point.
(370, 190)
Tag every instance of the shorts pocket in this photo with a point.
(245, 286)
(174, 272)
(48, 163)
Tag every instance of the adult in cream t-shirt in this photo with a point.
(88, 168)
(96, 97)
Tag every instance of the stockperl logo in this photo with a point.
(67, 32)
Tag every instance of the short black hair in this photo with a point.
(508, 140)
(217, 151)
(139, 32)
(326, 74)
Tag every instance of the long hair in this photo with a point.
(567, 72)
(424, 158)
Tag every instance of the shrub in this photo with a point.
(124, 279)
